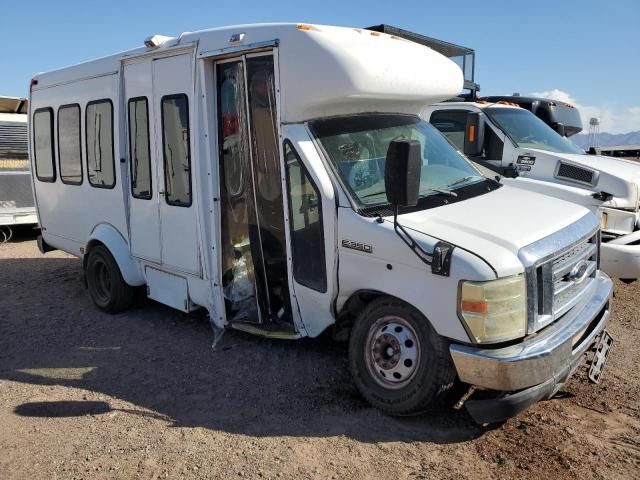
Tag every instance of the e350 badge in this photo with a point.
(362, 247)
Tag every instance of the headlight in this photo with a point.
(496, 310)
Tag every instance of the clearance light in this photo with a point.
(568, 105)
(552, 104)
(375, 34)
(494, 311)
(305, 27)
(155, 41)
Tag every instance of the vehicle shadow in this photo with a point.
(162, 360)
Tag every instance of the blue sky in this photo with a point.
(587, 52)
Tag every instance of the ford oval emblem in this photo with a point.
(578, 272)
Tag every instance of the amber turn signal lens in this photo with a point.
(474, 307)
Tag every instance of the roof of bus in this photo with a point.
(324, 70)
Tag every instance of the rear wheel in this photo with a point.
(107, 288)
(398, 362)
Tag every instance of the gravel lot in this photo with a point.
(142, 395)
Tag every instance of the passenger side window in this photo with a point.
(177, 155)
(452, 124)
(305, 215)
(99, 138)
(139, 149)
(43, 145)
(69, 149)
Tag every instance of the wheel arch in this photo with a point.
(107, 235)
(356, 302)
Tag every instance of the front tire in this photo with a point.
(398, 362)
(108, 290)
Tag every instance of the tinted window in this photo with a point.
(307, 235)
(69, 144)
(175, 139)
(99, 137)
(43, 144)
(452, 125)
(139, 148)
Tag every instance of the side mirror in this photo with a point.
(402, 172)
(511, 171)
(474, 135)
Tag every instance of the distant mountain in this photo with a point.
(605, 139)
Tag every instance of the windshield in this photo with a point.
(528, 131)
(357, 146)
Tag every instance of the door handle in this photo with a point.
(161, 192)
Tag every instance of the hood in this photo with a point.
(617, 176)
(496, 225)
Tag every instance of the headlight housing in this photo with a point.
(494, 311)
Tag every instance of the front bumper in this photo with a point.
(620, 261)
(18, 218)
(539, 365)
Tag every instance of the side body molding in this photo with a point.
(117, 245)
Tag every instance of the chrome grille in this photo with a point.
(573, 272)
(561, 271)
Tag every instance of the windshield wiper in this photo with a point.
(463, 180)
(375, 194)
(444, 191)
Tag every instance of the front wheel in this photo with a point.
(398, 362)
(107, 288)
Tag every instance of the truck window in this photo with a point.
(451, 124)
(139, 156)
(177, 155)
(99, 138)
(69, 150)
(307, 234)
(43, 145)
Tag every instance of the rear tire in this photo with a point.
(108, 290)
(398, 362)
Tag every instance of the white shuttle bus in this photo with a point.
(279, 177)
(513, 141)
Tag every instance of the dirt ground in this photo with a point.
(142, 395)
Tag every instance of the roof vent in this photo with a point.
(576, 174)
(155, 41)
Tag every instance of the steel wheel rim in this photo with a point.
(392, 352)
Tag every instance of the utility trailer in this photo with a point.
(17, 206)
(279, 177)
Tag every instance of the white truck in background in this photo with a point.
(279, 177)
(17, 206)
(514, 142)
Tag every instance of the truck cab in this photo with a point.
(280, 178)
(562, 117)
(513, 142)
